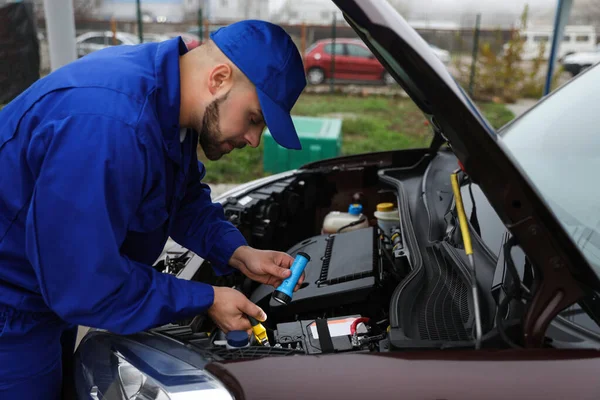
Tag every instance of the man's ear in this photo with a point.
(221, 79)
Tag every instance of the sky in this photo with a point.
(481, 5)
(486, 7)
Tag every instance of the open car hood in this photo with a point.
(567, 277)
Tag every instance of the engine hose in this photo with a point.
(351, 224)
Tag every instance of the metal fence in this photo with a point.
(458, 42)
(463, 44)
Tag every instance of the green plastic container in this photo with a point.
(321, 138)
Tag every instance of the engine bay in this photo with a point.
(373, 284)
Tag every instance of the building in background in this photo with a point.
(311, 12)
(182, 10)
(152, 10)
(235, 10)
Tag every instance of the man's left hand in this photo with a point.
(264, 266)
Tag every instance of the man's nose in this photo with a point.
(253, 138)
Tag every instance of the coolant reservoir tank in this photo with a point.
(349, 221)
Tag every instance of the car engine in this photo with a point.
(344, 282)
(365, 288)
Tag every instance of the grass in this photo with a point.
(497, 114)
(369, 124)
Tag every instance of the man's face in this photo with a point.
(231, 121)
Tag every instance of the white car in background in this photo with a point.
(577, 62)
(443, 55)
(92, 41)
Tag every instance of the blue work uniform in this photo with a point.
(94, 177)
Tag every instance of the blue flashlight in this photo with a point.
(283, 293)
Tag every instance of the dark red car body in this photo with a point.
(352, 61)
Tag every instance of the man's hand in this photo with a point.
(269, 267)
(230, 308)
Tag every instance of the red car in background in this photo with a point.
(353, 61)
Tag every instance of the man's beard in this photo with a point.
(210, 136)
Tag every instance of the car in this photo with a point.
(96, 40)
(443, 55)
(485, 283)
(353, 61)
(577, 62)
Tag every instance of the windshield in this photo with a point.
(558, 146)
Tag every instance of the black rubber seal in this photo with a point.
(281, 297)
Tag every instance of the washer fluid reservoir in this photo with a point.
(346, 221)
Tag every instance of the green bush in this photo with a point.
(502, 77)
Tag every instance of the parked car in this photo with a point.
(353, 61)
(577, 62)
(499, 301)
(443, 55)
(93, 41)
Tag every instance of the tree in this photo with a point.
(501, 76)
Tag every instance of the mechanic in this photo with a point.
(99, 168)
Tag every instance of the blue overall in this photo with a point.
(94, 177)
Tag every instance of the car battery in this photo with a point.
(305, 334)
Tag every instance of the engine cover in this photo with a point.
(341, 271)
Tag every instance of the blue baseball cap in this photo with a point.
(265, 53)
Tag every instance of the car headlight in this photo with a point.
(136, 385)
(120, 368)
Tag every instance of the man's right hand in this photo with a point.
(230, 308)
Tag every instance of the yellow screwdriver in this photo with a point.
(259, 331)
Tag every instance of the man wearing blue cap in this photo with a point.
(99, 168)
